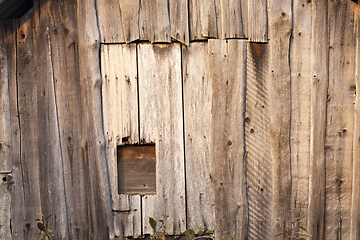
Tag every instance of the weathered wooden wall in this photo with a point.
(252, 107)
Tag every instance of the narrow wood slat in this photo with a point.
(319, 83)
(5, 124)
(5, 204)
(230, 16)
(179, 20)
(355, 198)
(154, 21)
(110, 21)
(120, 111)
(227, 59)
(63, 36)
(130, 19)
(280, 16)
(29, 125)
(258, 20)
(52, 188)
(203, 22)
(258, 160)
(340, 120)
(93, 146)
(300, 66)
(198, 143)
(161, 122)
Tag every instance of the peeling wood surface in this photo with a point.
(197, 122)
(300, 67)
(161, 122)
(258, 20)
(227, 59)
(120, 111)
(5, 121)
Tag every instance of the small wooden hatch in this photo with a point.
(136, 169)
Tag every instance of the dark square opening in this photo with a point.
(136, 169)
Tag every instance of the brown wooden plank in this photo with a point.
(198, 143)
(63, 38)
(280, 17)
(227, 59)
(5, 121)
(258, 160)
(154, 22)
(120, 111)
(340, 120)
(29, 125)
(93, 145)
(179, 20)
(203, 22)
(49, 148)
(161, 122)
(300, 66)
(319, 83)
(5, 203)
(258, 20)
(110, 21)
(355, 198)
(130, 19)
(230, 19)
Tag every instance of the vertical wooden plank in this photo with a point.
(5, 203)
(198, 143)
(120, 111)
(203, 22)
(63, 37)
(179, 20)
(29, 124)
(319, 84)
(258, 159)
(93, 146)
(130, 19)
(280, 32)
(340, 120)
(258, 21)
(110, 21)
(300, 67)
(355, 198)
(49, 149)
(230, 19)
(227, 61)
(5, 126)
(161, 122)
(154, 21)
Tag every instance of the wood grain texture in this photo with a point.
(230, 19)
(154, 21)
(5, 205)
(130, 19)
(258, 161)
(340, 120)
(5, 121)
(319, 85)
(93, 145)
(29, 125)
(227, 59)
(179, 20)
(110, 21)
(63, 37)
(280, 32)
(161, 122)
(258, 21)
(203, 22)
(355, 198)
(51, 177)
(300, 66)
(120, 111)
(198, 143)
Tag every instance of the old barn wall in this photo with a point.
(252, 107)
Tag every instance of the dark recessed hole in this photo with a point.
(4, 179)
